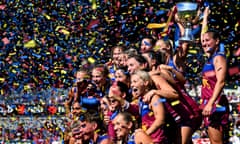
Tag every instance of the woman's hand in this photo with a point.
(166, 67)
(206, 11)
(207, 110)
(148, 96)
(155, 71)
(106, 117)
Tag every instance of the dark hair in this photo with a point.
(93, 116)
(141, 59)
(103, 69)
(152, 40)
(124, 89)
(215, 34)
(90, 116)
(158, 56)
(128, 117)
(124, 70)
(118, 46)
(161, 57)
(122, 86)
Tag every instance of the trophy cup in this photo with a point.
(186, 11)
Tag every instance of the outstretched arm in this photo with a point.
(205, 21)
(172, 73)
(180, 24)
(164, 89)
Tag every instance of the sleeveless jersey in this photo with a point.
(209, 80)
(148, 118)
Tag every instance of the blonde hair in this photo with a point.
(145, 77)
(167, 42)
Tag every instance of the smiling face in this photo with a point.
(133, 65)
(114, 91)
(76, 109)
(98, 77)
(209, 44)
(80, 75)
(121, 76)
(122, 60)
(162, 46)
(115, 55)
(87, 130)
(146, 45)
(121, 127)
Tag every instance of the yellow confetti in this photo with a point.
(30, 44)
(13, 118)
(59, 27)
(5, 25)
(26, 87)
(63, 72)
(94, 5)
(16, 84)
(14, 71)
(236, 26)
(13, 53)
(65, 32)
(47, 16)
(218, 105)
(195, 70)
(91, 60)
(175, 102)
(35, 79)
(156, 25)
(101, 49)
(192, 51)
(163, 34)
(91, 41)
(187, 16)
(2, 79)
(55, 71)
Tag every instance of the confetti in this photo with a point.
(30, 44)
(176, 102)
(43, 44)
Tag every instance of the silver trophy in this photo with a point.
(186, 11)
